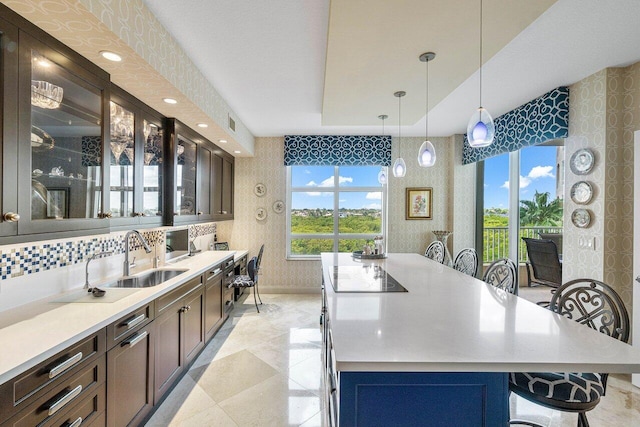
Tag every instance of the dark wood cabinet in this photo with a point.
(130, 374)
(223, 180)
(53, 136)
(136, 162)
(200, 184)
(180, 333)
(213, 301)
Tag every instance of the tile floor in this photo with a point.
(264, 370)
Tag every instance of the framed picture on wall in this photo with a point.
(419, 203)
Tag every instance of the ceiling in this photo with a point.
(321, 67)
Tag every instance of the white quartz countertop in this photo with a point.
(33, 332)
(451, 322)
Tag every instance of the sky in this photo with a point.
(537, 173)
(314, 178)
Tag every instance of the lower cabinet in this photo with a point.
(130, 369)
(213, 302)
(180, 333)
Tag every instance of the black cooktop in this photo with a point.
(365, 278)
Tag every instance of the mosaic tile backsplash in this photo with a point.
(16, 261)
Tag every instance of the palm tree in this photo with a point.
(541, 211)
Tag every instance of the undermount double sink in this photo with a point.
(146, 280)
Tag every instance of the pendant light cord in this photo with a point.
(480, 53)
(399, 128)
(426, 126)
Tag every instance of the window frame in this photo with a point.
(336, 236)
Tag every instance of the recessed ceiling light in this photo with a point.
(237, 151)
(202, 125)
(170, 100)
(111, 56)
(222, 141)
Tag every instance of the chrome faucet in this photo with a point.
(86, 270)
(145, 244)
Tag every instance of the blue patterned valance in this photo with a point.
(329, 150)
(543, 119)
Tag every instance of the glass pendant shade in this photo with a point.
(481, 129)
(399, 168)
(427, 154)
(382, 175)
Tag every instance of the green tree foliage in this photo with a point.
(541, 211)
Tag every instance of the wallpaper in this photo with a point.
(605, 112)
(152, 58)
(267, 167)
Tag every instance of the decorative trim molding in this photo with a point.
(329, 150)
(540, 120)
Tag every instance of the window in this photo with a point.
(333, 208)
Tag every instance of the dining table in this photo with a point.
(405, 338)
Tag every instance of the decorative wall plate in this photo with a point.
(581, 192)
(582, 161)
(261, 214)
(260, 190)
(278, 206)
(581, 218)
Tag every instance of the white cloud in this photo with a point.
(342, 200)
(372, 206)
(307, 171)
(536, 172)
(374, 196)
(313, 193)
(329, 181)
(524, 182)
(541, 172)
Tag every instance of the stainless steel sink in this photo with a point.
(146, 279)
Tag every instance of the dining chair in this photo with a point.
(435, 251)
(467, 262)
(598, 306)
(249, 280)
(544, 261)
(502, 274)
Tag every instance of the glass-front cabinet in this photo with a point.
(62, 99)
(136, 161)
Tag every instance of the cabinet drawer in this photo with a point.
(229, 263)
(65, 394)
(173, 298)
(241, 265)
(213, 272)
(129, 323)
(24, 389)
(88, 410)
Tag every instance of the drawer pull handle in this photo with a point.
(76, 423)
(57, 370)
(217, 271)
(231, 273)
(135, 321)
(60, 403)
(136, 339)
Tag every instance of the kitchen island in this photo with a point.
(440, 353)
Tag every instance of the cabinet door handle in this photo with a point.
(57, 370)
(224, 212)
(76, 423)
(135, 321)
(135, 339)
(11, 217)
(60, 403)
(216, 271)
(199, 212)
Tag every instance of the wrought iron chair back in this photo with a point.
(467, 262)
(435, 251)
(503, 274)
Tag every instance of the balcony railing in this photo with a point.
(496, 241)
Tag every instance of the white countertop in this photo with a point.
(451, 322)
(33, 332)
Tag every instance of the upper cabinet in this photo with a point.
(136, 162)
(53, 137)
(200, 186)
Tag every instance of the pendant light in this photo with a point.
(382, 175)
(399, 167)
(481, 130)
(427, 153)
